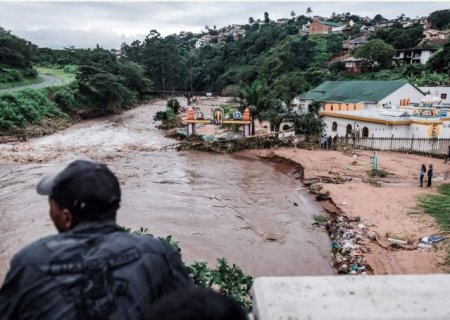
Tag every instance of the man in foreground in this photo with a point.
(92, 269)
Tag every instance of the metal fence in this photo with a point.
(419, 145)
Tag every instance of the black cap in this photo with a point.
(85, 188)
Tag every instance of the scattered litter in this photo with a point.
(397, 241)
(432, 239)
(347, 246)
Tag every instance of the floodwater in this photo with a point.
(232, 206)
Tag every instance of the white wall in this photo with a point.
(405, 92)
(425, 56)
(437, 91)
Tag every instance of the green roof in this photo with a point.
(353, 91)
(332, 24)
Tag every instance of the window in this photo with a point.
(365, 132)
(285, 127)
(443, 96)
(349, 129)
(334, 126)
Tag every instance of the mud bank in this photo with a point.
(373, 210)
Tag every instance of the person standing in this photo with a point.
(430, 175)
(423, 169)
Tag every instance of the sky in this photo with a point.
(108, 24)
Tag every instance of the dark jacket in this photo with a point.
(97, 270)
(430, 173)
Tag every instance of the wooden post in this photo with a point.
(412, 143)
(390, 146)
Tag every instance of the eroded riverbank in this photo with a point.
(236, 207)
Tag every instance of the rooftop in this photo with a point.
(353, 91)
(332, 24)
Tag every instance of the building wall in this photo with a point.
(405, 92)
(425, 56)
(378, 130)
(441, 92)
(318, 27)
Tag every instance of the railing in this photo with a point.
(419, 145)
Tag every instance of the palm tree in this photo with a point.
(251, 20)
(308, 10)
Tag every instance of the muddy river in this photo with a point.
(233, 206)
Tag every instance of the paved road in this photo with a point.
(48, 81)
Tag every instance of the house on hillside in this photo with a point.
(350, 44)
(354, 65)
(203, 41)
(304, 30)
(325, 27)
(413, 55)
(384, 24)
(438, 37)
(359, 95)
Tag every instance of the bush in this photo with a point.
(230, 280)
(174, 105)
(26, 107)
(65, 99)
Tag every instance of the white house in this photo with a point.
(414, 55)
(362, 95)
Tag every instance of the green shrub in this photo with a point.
(27, 106)
(230, 280)
(174, 105)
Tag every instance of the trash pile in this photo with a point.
(426, 243)
(346, 245)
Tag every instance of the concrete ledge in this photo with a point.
(352, 297)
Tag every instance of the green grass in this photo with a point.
(438, 206)
(23, 82)
(65, 76)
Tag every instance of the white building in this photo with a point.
(414, 55)
(364, 95)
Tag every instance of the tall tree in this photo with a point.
(308, 10)
(440, 19)
(266, 17)
(376, 50)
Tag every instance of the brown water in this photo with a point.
(236, 207)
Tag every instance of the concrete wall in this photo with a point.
(400, 297)
(376, 130)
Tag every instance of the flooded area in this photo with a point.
(251, 212)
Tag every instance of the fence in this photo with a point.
(419, 145)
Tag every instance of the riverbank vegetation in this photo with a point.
(228, 280)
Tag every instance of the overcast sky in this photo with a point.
(85, 24)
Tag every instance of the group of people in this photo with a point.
(95, 269)
(423, 171)
(326, 142)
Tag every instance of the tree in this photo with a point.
(266, 18)
(251, 20)
(309, 124)
(440, 19)
(378, 18)
(292, 14)
(378, 51)
(308, 10)
(440, 60)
